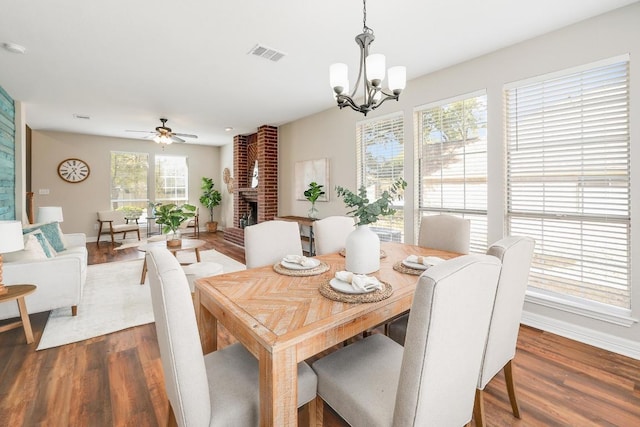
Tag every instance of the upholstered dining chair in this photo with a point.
(220, 388)
(445, 232)
(114, 222)
(515, 253)
(331, 233)
(431, 382)
(267, 242)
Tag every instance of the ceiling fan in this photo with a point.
(164, 134)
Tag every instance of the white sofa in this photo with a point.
(60, 279)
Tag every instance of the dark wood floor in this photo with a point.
(117, 379)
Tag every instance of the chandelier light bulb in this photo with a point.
(397, 79)
(339, 78)
(375, 66)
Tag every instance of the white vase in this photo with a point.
(362, 251)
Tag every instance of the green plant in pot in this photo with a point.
(210, 199)
(314, 191)
(170, 216)
(363, 245)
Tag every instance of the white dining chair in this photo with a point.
(432, 380)
(268, 242)
(445, 232)
(331, 233)
(515, 253)
(220, 388)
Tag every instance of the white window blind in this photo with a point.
(452, 162)
(379, 162)
(568, 181)
(129, 172)
(172, 178)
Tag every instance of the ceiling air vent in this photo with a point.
(266, 53)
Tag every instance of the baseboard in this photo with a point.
(584, 335)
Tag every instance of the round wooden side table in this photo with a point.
(18, 292)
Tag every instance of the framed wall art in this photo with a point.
(308, 171)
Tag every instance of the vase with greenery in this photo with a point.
(170, 216)
(210, 199)
(314, 191)
(363, 245)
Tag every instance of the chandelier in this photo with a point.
(373, 68)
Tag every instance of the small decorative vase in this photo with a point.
(362, 251)
(313, 212)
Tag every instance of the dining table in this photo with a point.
(284, 319)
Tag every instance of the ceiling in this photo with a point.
(127, 63)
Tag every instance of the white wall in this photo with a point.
(331, 134)
(81, 201)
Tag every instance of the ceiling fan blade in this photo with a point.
(186, 135)
(142, 131)
(176, 139)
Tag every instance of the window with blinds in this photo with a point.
(379, 162)
(568, 181)
(172, 178)
(452, 162)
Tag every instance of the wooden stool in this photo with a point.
(18, 292)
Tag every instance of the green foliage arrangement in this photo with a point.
(170, 216)
(314, 191)
(366, 212)
(210, 197)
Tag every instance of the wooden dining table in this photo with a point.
(283, 320)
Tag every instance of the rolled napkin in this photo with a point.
(360, 282)
(300, 260)
(427, 261)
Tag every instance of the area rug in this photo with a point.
(113, 300)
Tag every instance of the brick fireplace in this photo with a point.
(261, 202)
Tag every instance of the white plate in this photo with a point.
(415, 265)
(345, 287)
(294, 266)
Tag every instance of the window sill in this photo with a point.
(593, 310)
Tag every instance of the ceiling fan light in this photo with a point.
(375, 66)
(156, 139)
(397, 79)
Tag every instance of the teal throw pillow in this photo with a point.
(44, 243)
(52, 233)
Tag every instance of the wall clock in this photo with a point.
(73, 170)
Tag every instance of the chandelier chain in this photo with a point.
(365, 29)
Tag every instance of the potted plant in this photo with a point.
(170, 216)
(210, 199)
(312, 193)
(363, 245)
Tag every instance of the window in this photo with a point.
(452, 162)
(172, 177)
(379, 162)
(129, 173)
(568, 182)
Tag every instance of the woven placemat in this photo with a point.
(328, 292)
(399, 266)
(343, 252)
(321, 268)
